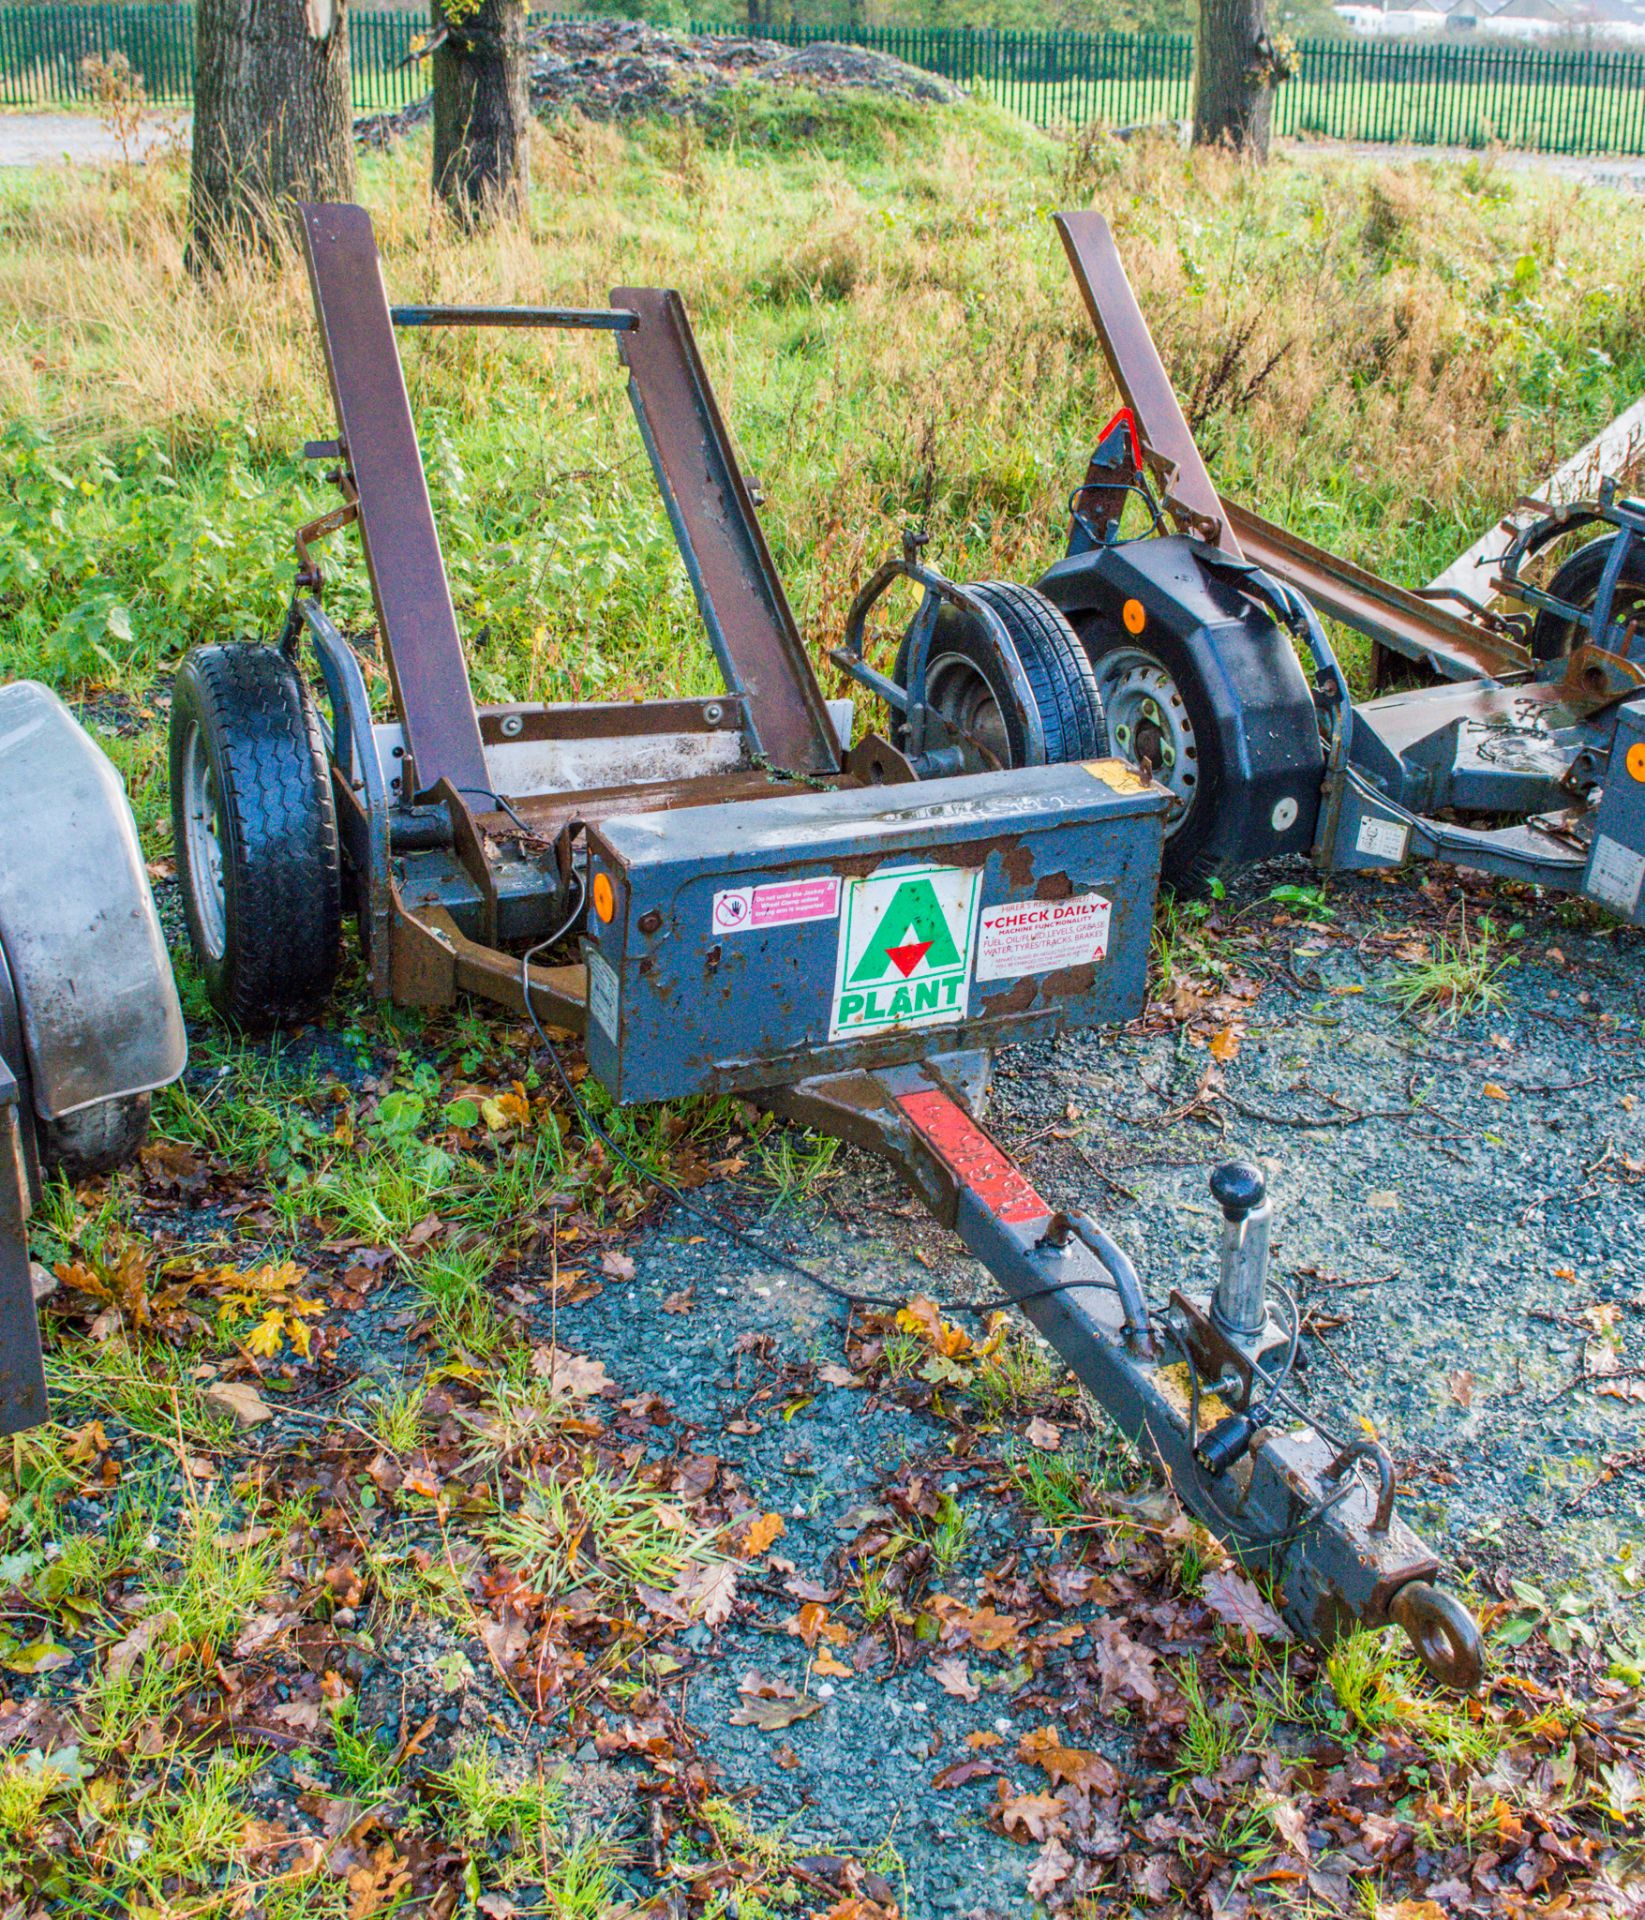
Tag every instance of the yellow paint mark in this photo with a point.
(1116, 774)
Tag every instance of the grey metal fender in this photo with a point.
(77, 921)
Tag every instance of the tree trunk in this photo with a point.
(1234, 72)
(273, 118)
(482, 156)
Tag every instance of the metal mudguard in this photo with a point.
(88, 960)
(1259, 695)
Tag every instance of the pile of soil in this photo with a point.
(620, 69)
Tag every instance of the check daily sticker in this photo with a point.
(904, 955)
(1042, 936)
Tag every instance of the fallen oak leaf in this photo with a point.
(762, 1531)
(1037, 1815)
(1233, 1598)
(771, 1716)
(710, 1591)
(1072, 1766)
(1050, 1870)
(959, 1772)
(125, 1653)
(572, 1374)
(954, 1678)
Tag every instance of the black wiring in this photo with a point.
(717, 1221)
(1274, 1384)
(1274, 1388)
(531, 833)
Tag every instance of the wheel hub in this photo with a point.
(1148, 722)
(968, 703)
(201, 827)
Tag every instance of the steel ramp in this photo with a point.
(379, 453)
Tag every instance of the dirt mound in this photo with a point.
(620, 69)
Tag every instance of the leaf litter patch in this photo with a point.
(580, 1565)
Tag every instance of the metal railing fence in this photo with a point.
(1572, 100)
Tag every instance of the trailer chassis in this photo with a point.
(459, 885)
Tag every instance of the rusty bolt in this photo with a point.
(650, 920)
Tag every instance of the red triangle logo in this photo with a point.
(908, 956)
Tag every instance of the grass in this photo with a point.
(894, 337)
(598, 1531)
(1461, 976)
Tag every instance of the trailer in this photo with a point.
(1515, 746)
(724, 894)
(90, 1024)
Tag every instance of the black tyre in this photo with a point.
(1577, 583)
(96, 1139)
(967, 682)
(1160, 717)
(255, 834)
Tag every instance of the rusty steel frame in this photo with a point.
(1455, 646)
(1293, 1505)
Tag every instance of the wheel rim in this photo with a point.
(201, 830)
(957, 689)
(1148, 722)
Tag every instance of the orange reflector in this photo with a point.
(1636, 760)
(1134, 617)
(605, 896)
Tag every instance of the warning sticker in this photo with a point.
(1383, 839)
(905, 949)
(781, 903)
(1040, 936)
(1615, 874)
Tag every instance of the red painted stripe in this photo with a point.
(983, 1168)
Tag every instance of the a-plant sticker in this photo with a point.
(905, 949)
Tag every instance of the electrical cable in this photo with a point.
(1274, 1389)
(716, 1221)
(531, 833)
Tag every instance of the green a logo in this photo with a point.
(914, 928)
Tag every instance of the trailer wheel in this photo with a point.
(1577, 582)
(1159, 717)
(254, 831)
(967, 682)
(96, 1139)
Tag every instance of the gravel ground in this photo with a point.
(1459, 1207)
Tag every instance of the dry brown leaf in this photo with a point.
(1050, 1870)
(1042, 1434)
(1224, 1045)
(709, 1591)
(953, 1676)
(572, 1374)
(762, 1531)
(1235, 1599)
(1038, 1815)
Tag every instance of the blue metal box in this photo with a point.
(749, 944)
(1616, 865)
